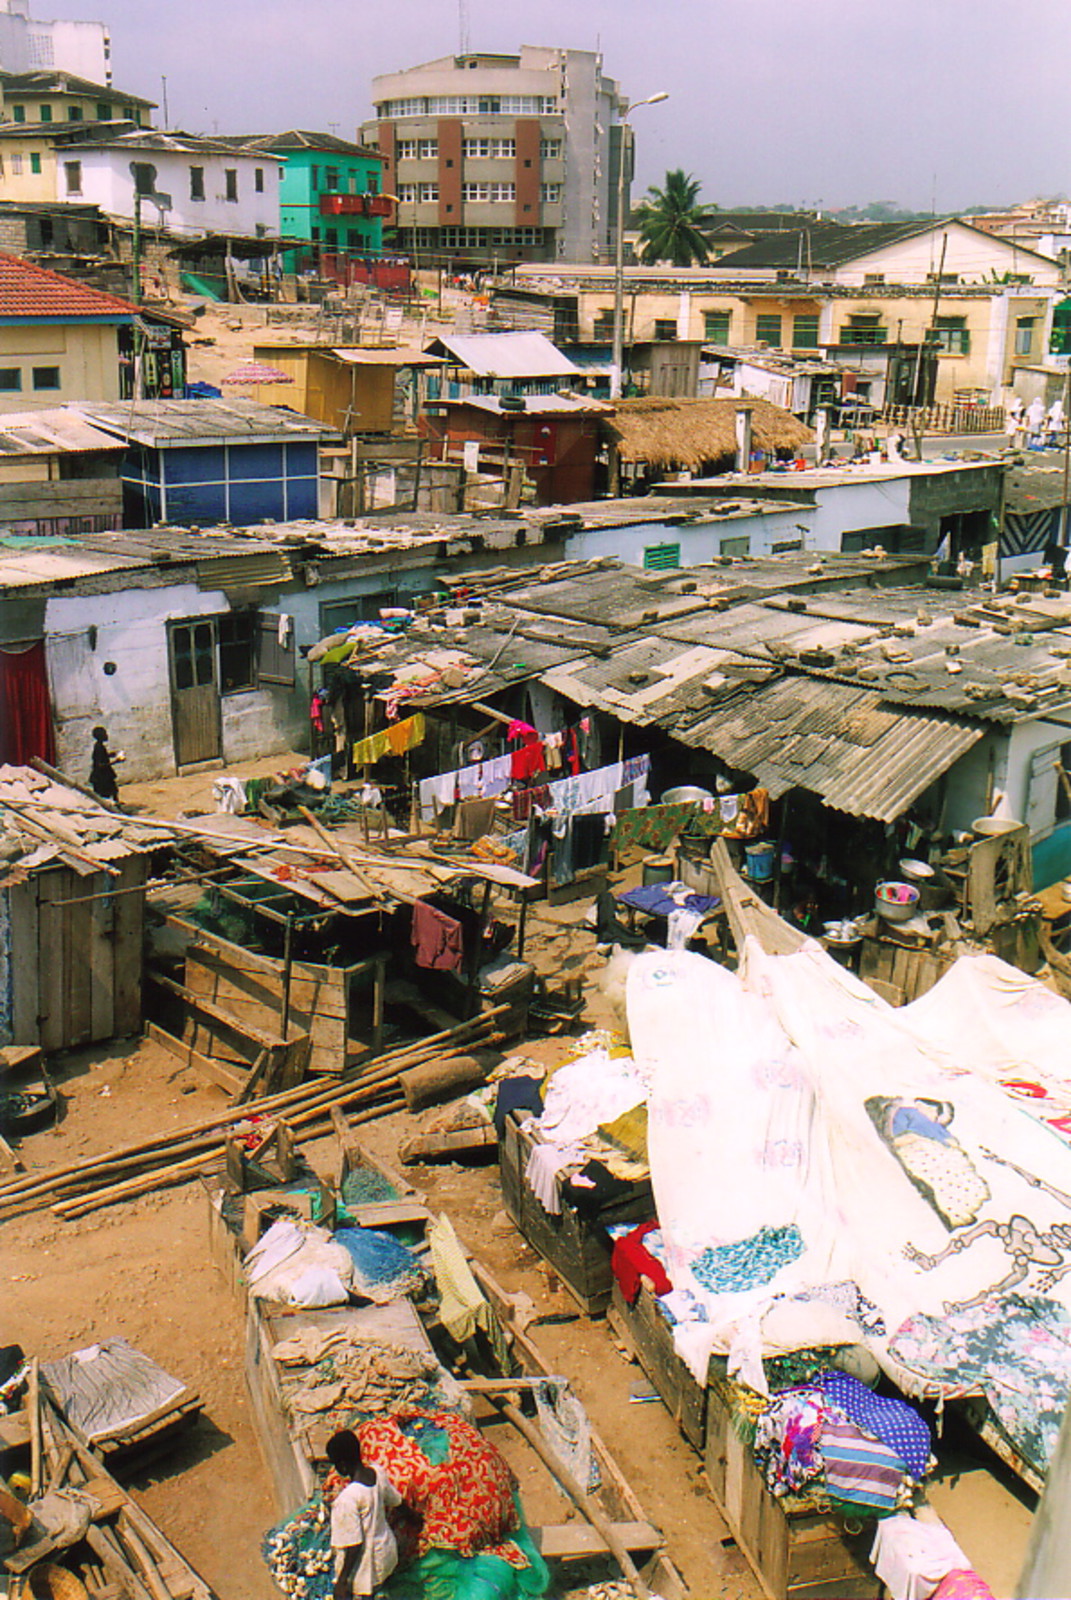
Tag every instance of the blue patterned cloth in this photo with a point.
(894, 1422)
(748, 1263)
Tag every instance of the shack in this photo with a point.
(651, 438)
(72, 892)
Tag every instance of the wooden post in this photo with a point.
(288, 968)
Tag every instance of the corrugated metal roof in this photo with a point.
(505, 355)
(162, 422)
(535, 405)
(56, 431)
(407, 356)
(257, 569)
(836, 740)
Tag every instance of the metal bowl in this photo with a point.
(917, 872)
(684, 795)
(896, 902)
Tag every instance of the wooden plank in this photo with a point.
(51, 955)
(570, 1541)
(101, 959)
(77, 941)
(219, 978)
(214, 1072)
(129, 926)
(25, 963)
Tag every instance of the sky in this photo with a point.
(930, 104)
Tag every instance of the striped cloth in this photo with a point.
(858, 1468)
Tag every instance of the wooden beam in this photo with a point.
(214, 1072)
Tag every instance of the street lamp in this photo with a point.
(619, 251)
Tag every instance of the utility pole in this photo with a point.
(618, 357)
(135, 249)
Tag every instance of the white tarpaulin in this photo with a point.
(825, 1173)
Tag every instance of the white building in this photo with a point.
(500, 156)
(188, 184)
(26, 43)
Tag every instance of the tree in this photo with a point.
(671, 221)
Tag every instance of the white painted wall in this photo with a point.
(77, 47)
(107, 182)
(845, 507)
(698, 542)
(134, 702)
(974, 256)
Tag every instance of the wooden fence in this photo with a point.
(946, 418)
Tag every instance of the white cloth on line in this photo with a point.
(543, 1173)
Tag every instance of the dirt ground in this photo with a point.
(142, 1270)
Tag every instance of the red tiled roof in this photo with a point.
(27, 290)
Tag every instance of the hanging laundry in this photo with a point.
(395, 740)
(436, 938)
(528, 761)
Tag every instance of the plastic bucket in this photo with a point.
(657, 869)
(760, 861)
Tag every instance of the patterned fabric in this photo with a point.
(860, 1470)
(654, 827)
(894, 1422)
(787, 1439)
(1017, 1351)
(749, 1263)
(465, 1503)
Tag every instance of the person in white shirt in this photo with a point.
(366, 1552)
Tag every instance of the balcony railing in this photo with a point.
(355, 205)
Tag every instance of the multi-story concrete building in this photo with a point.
(26, 43)
(496, 157)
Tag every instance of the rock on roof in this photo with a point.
(27, 290)
(44, 823)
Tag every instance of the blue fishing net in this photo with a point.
(380, 1263)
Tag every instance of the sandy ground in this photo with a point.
(142, 1270)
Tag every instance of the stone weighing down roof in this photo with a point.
(29, 292)
(203, 422)
(45, 824)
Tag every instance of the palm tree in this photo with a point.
(670, 222)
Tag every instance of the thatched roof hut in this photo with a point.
(672, 435)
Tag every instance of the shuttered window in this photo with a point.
(275, 661)
(661, 557)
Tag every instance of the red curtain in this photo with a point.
(25, 706)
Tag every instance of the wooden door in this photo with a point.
(195, 691)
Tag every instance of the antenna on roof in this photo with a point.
(463, 26)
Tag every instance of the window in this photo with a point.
(237, 665)
(35, 162)
(45, 113)
(407, 149)
(1024, 336)
(603, 326)
(735, 547)
(10, 380)
(144, 177)
(331, 179)
(864, 328)
(716, 326)
(16, 166)
(550, 149)
(407, 192)
(665, 328)
(230, 182)
(479, 192)
(331, 238)
(72, 173)
(104, 111)
(429, 192)
(197, 183)
(18, 113)
(258, 180)
(873, 277)
(951, 336)
(768, 328)
(805, 332)
(372, 183)
(476, 149)
(550, 193)
(661, 557)
(428, 149)
(314, 178)
(275, 661)
(46, 377)
(74, 113)
(130, 114)
(353, 238)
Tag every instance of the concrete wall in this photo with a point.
(969, 254)
(87, 355)
(107, 182)
(698, 542)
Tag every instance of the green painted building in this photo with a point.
(330, 193)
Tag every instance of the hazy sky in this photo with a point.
(944, 103)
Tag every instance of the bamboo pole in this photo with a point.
(304, 1099)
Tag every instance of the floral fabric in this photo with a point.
(1016, 1351)
(466, 1502)
(747, 1263)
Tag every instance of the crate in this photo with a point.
(795, 1555)
(577, 1248)
(644, 1328)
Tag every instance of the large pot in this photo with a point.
(685, 795)
(896, 902)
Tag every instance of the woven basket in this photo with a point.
(49, 1582)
